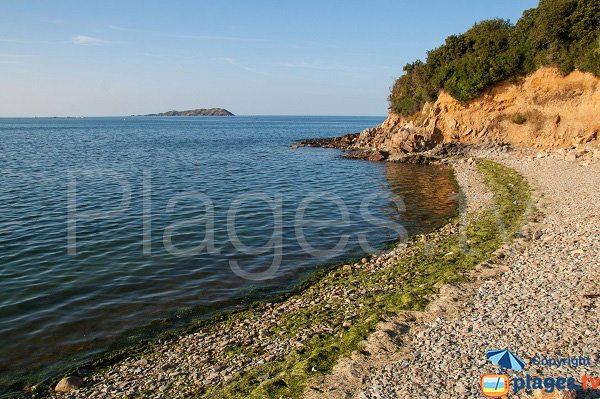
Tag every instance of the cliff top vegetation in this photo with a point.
(561, 33)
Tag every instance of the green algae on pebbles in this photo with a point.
(277, 349)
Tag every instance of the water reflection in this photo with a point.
(427, 192)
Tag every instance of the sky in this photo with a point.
(112, 58)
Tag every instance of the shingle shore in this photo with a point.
(182, 366)
(546, 303)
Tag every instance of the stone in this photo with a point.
(459, 388)
(165, 367)
(377, 156)
(142, 362)
(264, 333)
(571, 157)
(219, 367)
(68, 384)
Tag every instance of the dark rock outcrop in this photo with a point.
(345, 142)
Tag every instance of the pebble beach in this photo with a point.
(538, 296)
(544, 303)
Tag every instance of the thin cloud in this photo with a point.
(83, 40)
(231, 61)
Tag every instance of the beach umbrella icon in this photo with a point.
(505, 359)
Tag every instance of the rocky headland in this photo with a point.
(554, 113)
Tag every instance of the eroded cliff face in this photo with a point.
(545, 109)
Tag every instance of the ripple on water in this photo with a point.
(56, 308)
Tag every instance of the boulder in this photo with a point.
(68, 384)
(377, 156)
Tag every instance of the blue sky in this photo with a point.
(97, 58)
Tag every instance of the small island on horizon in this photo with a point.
(196, 112)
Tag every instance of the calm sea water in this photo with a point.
(112, 229)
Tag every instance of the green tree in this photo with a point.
(561, 33)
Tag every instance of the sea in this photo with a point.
(114, 230)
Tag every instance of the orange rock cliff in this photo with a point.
(545, 109)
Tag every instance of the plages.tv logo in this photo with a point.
(498, 385)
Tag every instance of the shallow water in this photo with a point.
(101, 219)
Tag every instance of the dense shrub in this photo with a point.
(561, 33)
